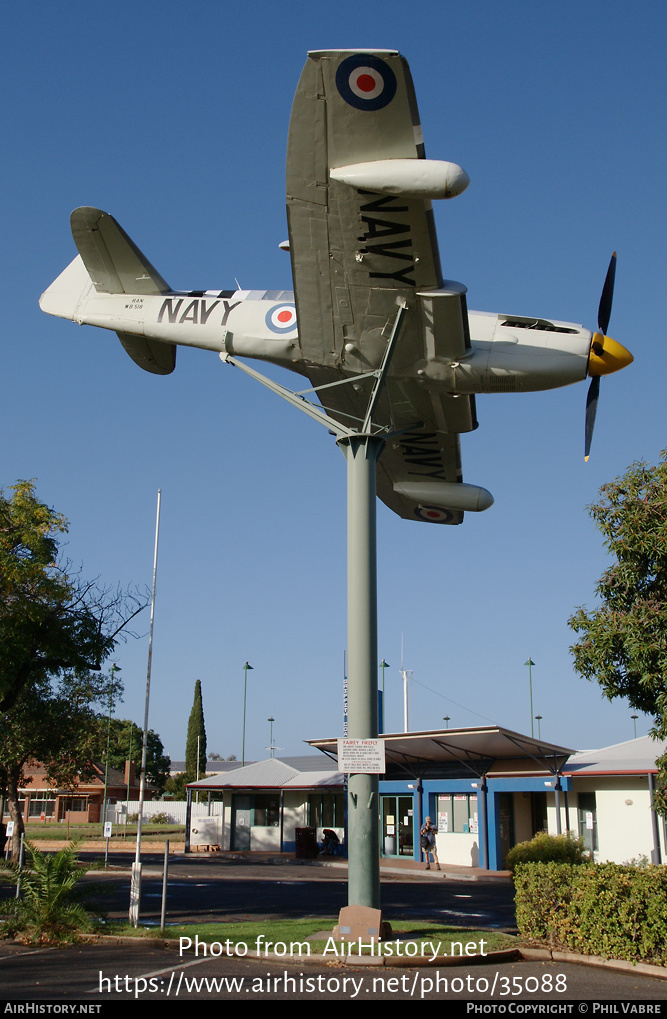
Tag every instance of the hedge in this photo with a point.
(610, 910)
(545, 848)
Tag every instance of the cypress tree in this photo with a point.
(196, 728)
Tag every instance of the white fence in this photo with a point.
(173, 809)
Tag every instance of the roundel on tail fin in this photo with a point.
(366, 82)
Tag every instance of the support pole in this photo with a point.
(483, 826)
(135, 886)
(165, 881)
(557, 792)
(656, 855)
(362, 453)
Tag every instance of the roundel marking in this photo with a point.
(281, 318)
(366, 82)
(433, 514)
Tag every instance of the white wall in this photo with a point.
(295, 812)
(174, 809)
(459, 848)
(523, 820)
(622, 807)
(264, 839)
(624, 828)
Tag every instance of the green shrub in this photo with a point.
(50, 903)
(545, 848)
(614, 911)
(160, 818)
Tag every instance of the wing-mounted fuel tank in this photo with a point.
(409, 178)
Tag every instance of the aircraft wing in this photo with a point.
(362, 241)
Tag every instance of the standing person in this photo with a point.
(427, 842)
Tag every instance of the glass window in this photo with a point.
(41, 803)
(457, 812)
(78, 803)
(326, 810)
(444, 821)
(267, 811)
(588, 826)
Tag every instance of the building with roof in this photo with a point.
(266, 802)
(485, 788)
(611, 808)
(40, 799)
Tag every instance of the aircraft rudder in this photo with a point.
(68, 291)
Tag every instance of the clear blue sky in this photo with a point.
(174, 119)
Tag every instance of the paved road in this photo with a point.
(97, 974)
(216, 889)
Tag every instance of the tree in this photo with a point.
(125, 744)
(175, 786)
(50, 619)
(54, 723)
(195, 747)
(624, 641)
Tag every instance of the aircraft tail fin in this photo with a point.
(108, 263)
(114, 262)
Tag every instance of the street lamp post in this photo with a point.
(245, 687)
(530, 664)
(129, 770)
(634, 720)
(538, 718)
(271, 720)
(446, 719)
(114, 668)
(383, 665)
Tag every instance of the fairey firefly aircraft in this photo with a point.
(369, 298)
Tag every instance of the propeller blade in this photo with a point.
(604, 311)
(591, 411)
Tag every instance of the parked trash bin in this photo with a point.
(306, 843)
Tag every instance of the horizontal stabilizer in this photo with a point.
(113, 261)
(151, 355)
(71, 295)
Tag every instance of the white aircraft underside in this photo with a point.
(362, 244)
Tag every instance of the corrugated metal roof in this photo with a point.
(270, 774)
(315, 780)
(212, 767)
(631, 757)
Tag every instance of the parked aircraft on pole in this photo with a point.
(369, 303)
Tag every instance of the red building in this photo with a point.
(41, 800)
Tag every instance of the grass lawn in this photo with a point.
(51, 832)
(291, 936)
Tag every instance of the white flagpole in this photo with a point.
(135, 889)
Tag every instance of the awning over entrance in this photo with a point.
(485, 750)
